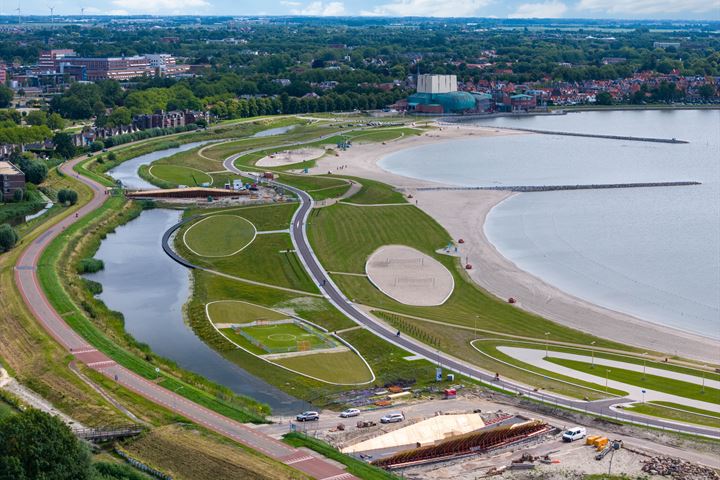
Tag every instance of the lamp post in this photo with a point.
(546, 345)
(643, 395)
(592, 349)
(703, 376)
(644, 361)
(607, 374)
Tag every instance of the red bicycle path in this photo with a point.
(26, 279)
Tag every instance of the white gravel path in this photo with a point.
(537, 358)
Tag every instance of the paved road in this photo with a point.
(298, 233)
(26, 278)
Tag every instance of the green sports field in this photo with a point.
(285, 337)
(219, 235)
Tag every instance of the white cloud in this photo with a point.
(644, 7)
(428, 8)
(320, 9)
(290, 4)
(548, 9)
(165, 7)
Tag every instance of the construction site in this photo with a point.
(472, 435)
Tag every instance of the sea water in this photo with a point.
(650, 252)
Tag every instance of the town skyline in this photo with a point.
(579, 9)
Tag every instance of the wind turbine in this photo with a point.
(52, 15)
(18, 11)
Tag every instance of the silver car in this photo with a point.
(350, 412)
(392, 418)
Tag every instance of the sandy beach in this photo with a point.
(462, 213)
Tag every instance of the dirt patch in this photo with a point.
(409, 276)
(288, 157)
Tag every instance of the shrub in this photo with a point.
(18, 195)
(8, 237)
(90, 265)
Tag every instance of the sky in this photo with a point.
(626, 9)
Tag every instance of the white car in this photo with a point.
(574, 433)
(392, 418)
(350, 412)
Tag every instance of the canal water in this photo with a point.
(127, 172)
(150, 290)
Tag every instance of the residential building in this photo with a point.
(11, 179)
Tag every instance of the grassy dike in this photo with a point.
(104, 329)
(28, 352)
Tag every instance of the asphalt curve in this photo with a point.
(336, 297)
(28, 284)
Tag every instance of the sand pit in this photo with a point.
(409, 276)
(288, 157)
(425, 432)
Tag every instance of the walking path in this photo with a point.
(26, 279)
(537, 357)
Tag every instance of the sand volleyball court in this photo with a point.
(288, 157)
(409, 276)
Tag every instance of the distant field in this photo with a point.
(177, 175)
(231, 311)
(219, 235)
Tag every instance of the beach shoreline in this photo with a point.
(463, 214)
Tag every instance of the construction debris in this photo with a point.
(678, 469)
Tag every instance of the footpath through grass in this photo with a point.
(681, 414)
(357, 467)
(651, 382)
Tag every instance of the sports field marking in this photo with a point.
(215, 216)
(340, 339)
(282, 337)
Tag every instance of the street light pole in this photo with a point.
(703, 376)
(607, 374)
(644, 360)
(546, 345)
(592, 349)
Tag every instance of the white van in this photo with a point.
(574, 433)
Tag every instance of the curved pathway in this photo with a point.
(26, 279)
(344, 305)
(536, 357)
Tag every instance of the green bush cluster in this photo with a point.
(90, 265)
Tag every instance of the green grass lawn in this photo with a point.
(651, 382)
(344, 236)
(234, 311)
(337, 367)
(285, 336)
(268, 259)
(177, 175)
(219, 235)
(657, 410)
(383, 134)
(373, 192)
(273, 216)
(6, 409)
(242, 341)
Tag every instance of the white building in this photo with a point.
(437, 83)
